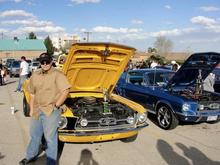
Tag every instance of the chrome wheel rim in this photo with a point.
(164, 117)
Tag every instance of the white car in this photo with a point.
(34, 65)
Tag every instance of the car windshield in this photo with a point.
(16, 64)
(159, 78)
(35, 64)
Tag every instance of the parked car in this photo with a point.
(14, 68)
(93, 113)
(216, 71)
(34, 65)
(175, 97)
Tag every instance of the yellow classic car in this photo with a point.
(93, 112)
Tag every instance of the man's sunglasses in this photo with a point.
(45, 62)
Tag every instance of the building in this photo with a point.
(15, 48)
(65, 42)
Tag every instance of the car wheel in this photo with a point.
(129, 139)
(26, 108)
(165, 118)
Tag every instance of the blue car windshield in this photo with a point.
(159, 78)
(16, 64)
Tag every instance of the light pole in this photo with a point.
(87, 35)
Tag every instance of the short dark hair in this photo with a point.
(23, 57)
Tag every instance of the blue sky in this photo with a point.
(192, 25)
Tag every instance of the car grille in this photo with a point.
(210, 105)
(103, 123)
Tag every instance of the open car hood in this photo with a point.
(196, 63)
(94, 68)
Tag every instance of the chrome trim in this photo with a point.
(101, 132)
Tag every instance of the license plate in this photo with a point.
(212, 118)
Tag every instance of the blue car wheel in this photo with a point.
(165, 118)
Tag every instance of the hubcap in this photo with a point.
(164, 117)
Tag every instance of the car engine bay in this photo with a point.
(96, 113)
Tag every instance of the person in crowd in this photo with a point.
(153, 64)
(175, 66)
(24, 71)
(208, 83)
(1, 73)
(48, 88)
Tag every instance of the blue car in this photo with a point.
(175, 96)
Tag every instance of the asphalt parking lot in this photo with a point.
(196, 144)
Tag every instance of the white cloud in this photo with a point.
(174, 32)
(104, 29)
(29, 22)
(214, 28)
(3, 30)
(167, 6)
(203, 20)
(85, 1)
(46, 29)
(15, 13)
(17, 1)
(137, 22)
(209, 8)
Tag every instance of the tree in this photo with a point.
(31, 35)
(151, 50)
(163, 45)
(157, 58)
(49, 45)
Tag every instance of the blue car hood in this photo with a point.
(189, 71)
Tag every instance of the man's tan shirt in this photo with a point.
(47, 87)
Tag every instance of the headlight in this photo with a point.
(130, 119)
(63, 122)
(186, 107)
(201, 107)
(83, 122)
(142, 117)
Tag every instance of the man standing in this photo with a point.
(24, 71)
(48, 89)
(1, 69)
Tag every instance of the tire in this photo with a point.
(165, 118)
(26, 108)
(130, 139)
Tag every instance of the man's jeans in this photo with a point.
(21, 81)
(47, 126)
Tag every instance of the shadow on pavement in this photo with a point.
(196, 155)
(169, 155)
(86, 158)
(1, 156)
(192, 153)
(10, 82)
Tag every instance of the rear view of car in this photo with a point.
(15, 69)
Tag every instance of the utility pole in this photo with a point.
(87, 34)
